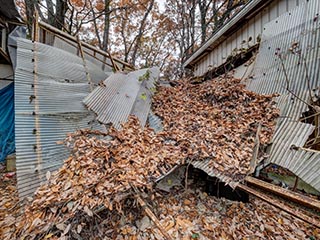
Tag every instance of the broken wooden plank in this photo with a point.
(278, 204)
(152, 217)
(285, 193)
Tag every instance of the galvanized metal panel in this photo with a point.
(204, 166)
(300, 74)
(49, 87)
(155, 122)
(65, 45)
(253, 29)
(122, 95)
(97, 66)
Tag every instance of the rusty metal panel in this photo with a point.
(122, 95)
(296, 78)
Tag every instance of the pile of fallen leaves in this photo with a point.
(193, 214)
(98, 176)
(217, 119)
(92, 196)
(10, 209)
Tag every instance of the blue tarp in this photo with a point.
(7, 145)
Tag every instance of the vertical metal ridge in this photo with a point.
(300, 26)
(123, 95)
(61, 86)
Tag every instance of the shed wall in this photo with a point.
(240, 39)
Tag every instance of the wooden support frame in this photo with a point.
(85, 64)
(282, 206)
(285, 193)
(58, 32)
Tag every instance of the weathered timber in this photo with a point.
(282, 206)
(285, 193)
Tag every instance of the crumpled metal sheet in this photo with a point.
(299, 26)
(50, 85)
(122, 95)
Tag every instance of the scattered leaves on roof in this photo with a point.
(217, 119)
(91, 195)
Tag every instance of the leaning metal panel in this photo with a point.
(288, 64)
(123, 94)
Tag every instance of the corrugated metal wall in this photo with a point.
(238, 40)
(72, 47)
(294, 74)
(50, 85)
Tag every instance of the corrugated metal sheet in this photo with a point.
(122, 95)
(155, 122)
(204, 166)
(301, 25)
(239, 39)
(50, 85)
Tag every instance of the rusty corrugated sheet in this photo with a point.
(50, 85)
(123, 94)
(278, 70)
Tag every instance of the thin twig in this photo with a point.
(186, 178)
(288, 85)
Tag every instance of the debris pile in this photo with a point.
(99, 176)
(9, 203)
(217, 119)
(94, 194)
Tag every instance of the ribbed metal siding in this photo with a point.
(121, 96)
(240, 38)
(204, 166)
(61, 84)
(298, 25)
(72, 47)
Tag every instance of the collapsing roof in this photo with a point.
(288, 64)
(50, 84)
(241, 17)
(122, 95)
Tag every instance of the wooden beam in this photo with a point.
(74, 39)
(85, 64)
(278, 204)
(285, 193)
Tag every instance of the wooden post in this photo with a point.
(85, 64)
(35, 97)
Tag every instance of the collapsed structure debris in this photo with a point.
(107, 171)
(217, 120)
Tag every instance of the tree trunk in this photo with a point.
(30, 7)
(106, 25)
(140, 33)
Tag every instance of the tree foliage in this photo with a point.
(142, 32)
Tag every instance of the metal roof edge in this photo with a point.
(240, 15)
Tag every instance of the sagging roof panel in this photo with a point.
(121, 95)
(50, 85)
(288, 64)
